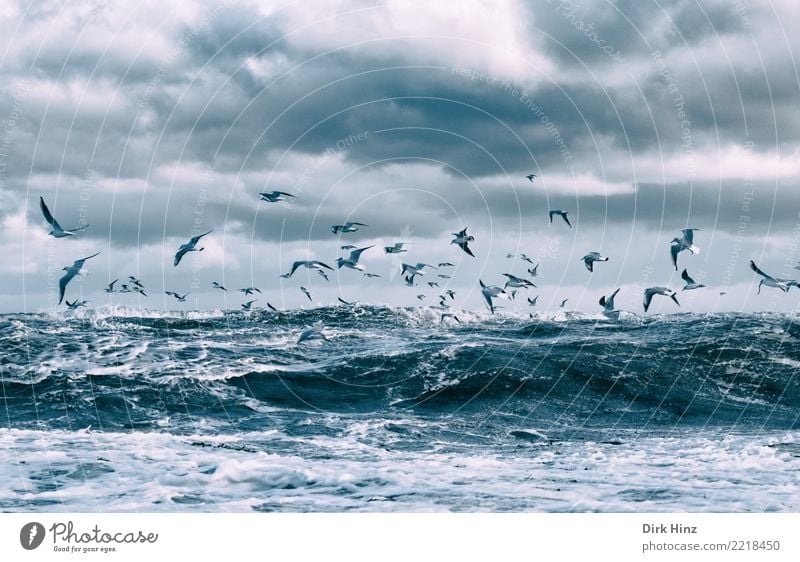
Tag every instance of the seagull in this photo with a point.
(523, 257)
(649, 292)
(57, 231)
(433, 284)
(532, 302)
(135, 281)
(534, 271)
(305, 291)
(110, 288)
(346, 303)
(218, 286)
(323, 274)
(76, 304)
(352, 261)
(463, 240)
(685, 243)
(346, 227)
(272, 308)
(275, 196)
(514, 281)
(450, 293)
(530, 177)
(248, 304)
(492, 292)
(125, 289)
(409, 279)
(71, 272)
(449, 315)
(421, 297)
(592, 257)
(443, 276)
(563, 303)
(366, 274)
(396, 249)
(139, 290)
(347, 247)
(249, 290)
(769, 281)
(446, 264)
(509, 256)
(514, 294)
(690, 284)
(608, 303)
(312, 334)
(562, 214)
(310, 264)
(190, 246)
(181, 298)
(414, 269)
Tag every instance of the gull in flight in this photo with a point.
(139, 290)
(249, 290)
(305, 291)
(509, 255)
(563, 303)
(445, 264)
(450, 293)
(530, 177)
(770, 281)
(190, 246)
(397, 248)
(492, 292)
(562, 214)
(125, 289)
(367, 274)
(523, 257)
(433, 284)
(110, 288)
(216, 285)
(421, 296)
(532, 301)
(449, 315)
(650, 291)
(181, 298)
(74, 305)
(352, 261)
(346, 227)
(275, 196)
(310, 264)
(57, 231)
(71, 271)
(323, 274)
(686, 242)
(135, 281)
(534, 271)
(514, 281)
(590, 258)
(608, 303)
(248, 305)
(272, 308)
(413, 269)
(462, 239)
(690, 284)
(348, 247)
(443, 276)
(347, 303)
(409, 279)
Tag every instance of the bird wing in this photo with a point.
(488, 299)
(688, 234)
(648, 297)
(358, 224)
(602, 301)
(181, 252)
(356, 254)
(755, 268)
(79, 263)
(283, 193)
(196, 239)
(551, 213)
(48, 216)
(566, 220)
(465, 247)
(685, 277)
(674, 249)
(62, 283)
(589, 263)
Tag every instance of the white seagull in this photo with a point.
(686, 242)
(462, 239)
(413, 269)
(275, 196)
(608, 303)
(190, 246)
(562, 214)
(397, 248)
(650, 291)
(249, 290)
(306, 293)
(514, 281)
(181, 298)
(492, 292)
(530, 177)
(690, 284)
(248, 304)
(71, 272)
(532, 301)
(216, 285)
(770, 281)
(57, 231)
(590, 258)
(310, 264)
(352, 261)
(346, 227)
(110, 288)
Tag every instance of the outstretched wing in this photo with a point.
(566, 220)
(674, 248)
(551, 216)
(465, 247)
(356, 254)
(283, 193)
(589, 263)
(62, 284)
(181, 252)
(196, 239)
(685, 277)
(48, 216)
(688, 234)
(648, 297)
(755, 268)
(358, 224)
(602, 301)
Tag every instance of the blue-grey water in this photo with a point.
(127, 410)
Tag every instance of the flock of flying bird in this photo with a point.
(409, 272)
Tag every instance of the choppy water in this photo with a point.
(119, 409)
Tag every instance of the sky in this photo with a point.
(152, 122)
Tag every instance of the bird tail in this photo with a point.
(694, 249)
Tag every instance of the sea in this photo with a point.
(398, 409)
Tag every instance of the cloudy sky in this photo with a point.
(153, 121)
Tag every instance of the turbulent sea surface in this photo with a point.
(128, 410)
